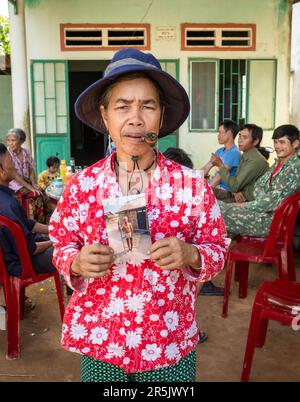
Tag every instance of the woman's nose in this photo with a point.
(135, 117)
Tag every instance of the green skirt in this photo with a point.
(93, 370)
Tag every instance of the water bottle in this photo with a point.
(69, 173)
(63, 168)
(72, 164)
(2, 318)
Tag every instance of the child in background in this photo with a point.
(50, 174)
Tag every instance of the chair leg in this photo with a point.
(251, 341)
(22, 303)
(58, 285)
(262, 333)
(236, 273)
(243, 267)
(291, 263)
(13, 319)
(229, 267)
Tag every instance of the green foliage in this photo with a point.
(4, 36)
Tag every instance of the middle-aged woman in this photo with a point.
(25, 182)
(136, 322)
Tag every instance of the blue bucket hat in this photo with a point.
(177, 105)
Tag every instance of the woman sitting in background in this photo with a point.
(24, 184)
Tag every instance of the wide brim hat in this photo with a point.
(176, 101)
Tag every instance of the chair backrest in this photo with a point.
(283, 223)
(21, 244)
(2, 266)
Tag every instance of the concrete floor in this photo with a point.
(219, 359)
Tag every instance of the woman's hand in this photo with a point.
(93, 261)
(35, 191)
(172, 253)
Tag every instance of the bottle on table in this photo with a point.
(63, 168)
(72, 164)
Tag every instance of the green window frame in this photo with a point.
(231, 76)
(49, 80)
(50, 110)
(191, 95)
(171, 66)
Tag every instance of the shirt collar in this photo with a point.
(247, 154)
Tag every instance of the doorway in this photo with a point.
(87, 144)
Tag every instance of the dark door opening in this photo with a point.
(87, 145)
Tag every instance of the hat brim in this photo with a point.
(177, 106)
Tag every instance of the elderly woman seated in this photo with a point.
(25, 182)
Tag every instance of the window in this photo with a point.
(203, 86)
(104, 36)
(232, 89)
(218, 37)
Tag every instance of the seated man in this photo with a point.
(41, 250)
(254, 218)
(252, 165)
(229, 154)
(208, 288)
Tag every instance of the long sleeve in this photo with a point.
(248, 172)
(268, 197)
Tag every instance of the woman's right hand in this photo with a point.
(93, 261)
(34, 190)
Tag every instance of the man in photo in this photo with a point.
(128, 230)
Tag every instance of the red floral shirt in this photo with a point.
(138, 317)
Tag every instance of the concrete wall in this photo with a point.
(6, 112)
(270, 16)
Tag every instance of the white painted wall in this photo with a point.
(270, 16)
(20, 93)
(295, 66)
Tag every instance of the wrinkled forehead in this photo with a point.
(12, 136)
(245, 133)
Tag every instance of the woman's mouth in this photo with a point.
(136, 138)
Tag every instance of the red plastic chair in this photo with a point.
(14, 287)
(279, 301)
(276, 248)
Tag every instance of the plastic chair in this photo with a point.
(14, 287)
(276, 248)
(279, 301)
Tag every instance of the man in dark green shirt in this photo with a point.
(251, 167)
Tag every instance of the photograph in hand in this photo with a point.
(128, 228)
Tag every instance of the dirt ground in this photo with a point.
(220, 358)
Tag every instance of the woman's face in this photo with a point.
(13, 142)
(133, 111)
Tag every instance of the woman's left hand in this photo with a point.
(172, 253)
(37, 188)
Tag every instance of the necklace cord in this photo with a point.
(136, 165)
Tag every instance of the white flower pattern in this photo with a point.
(135, 310)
